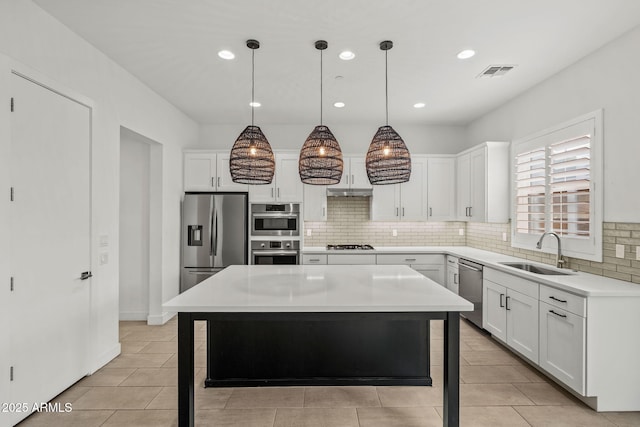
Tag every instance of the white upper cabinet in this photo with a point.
(286, 185)
(354, 174)
(483, 183)
(315, 202)
(209, 171)
(403, 202)
(441, 188)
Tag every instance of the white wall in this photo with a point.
(33, 38)
(135, 156)
(607, 79)
(353, 139)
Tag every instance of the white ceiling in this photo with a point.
(172, 45)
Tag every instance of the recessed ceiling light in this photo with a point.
(226, 54)
(419, 105)
(254, 104)
(338, 104)
(466, 54)
(347, 55)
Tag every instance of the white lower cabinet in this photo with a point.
(562, 345)
(512, 316)
(310, 259)
(351, 259)
(452, 274)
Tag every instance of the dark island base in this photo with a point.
(354, 352)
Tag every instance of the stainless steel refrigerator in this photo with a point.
(214, 234)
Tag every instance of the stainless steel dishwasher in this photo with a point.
(470, 288)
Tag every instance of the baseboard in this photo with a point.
(159, 319)
(133, 315)
(106, 357)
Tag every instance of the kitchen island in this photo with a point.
(316, 294)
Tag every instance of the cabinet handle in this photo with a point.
(501, 300)
(278, 192)
(403, 211)
(430, 211)
(558, 299)
(314, 260)
(466, 211)
(324, 210)
(353, 179)
(409, 259)
(455, 278)
(213, 183)
(272, 192)
(557, 314)
(507, 304)
(396, 211)
(347, 175)
(218, 182)
(470, 214)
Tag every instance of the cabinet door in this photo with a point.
(200, 171)
(224, 181)
(413, 194)
(432, 271)
(452, 281)
(494, 318)
(522, 324)
(477, 185)
(463, 190)
(562, 346)
(315, 202)
(385, 204)
(358, 170)
(346, 175)
(288, 184)
(441, 189)
(263, 193)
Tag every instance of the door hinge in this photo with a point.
(12, 105)
(12, 194)
(12, 284)
(11, 373)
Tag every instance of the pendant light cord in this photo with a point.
(320, 87)
(386, 85)
(253, 72)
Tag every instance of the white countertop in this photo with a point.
(579, 283)
(317, 288)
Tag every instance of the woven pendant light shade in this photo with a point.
(388, 160)
(320, 161)
(252, 160)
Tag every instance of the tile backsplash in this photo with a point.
(348, 222)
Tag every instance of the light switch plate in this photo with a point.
(308, 232)
(461, 231)
(394, 233)
(619, 251)
(637, 253)
(104, 258)
(504, 237)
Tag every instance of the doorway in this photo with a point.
(140, 234)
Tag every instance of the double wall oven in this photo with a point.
(275, 230)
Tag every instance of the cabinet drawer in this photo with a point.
(314, 259)
(348, 259)
(409, 259)
(565, 300)
(516, 283)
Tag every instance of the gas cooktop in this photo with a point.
(350, 247)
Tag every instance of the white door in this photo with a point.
(494, 318)
(288, 184)
(441, 188)
(385, 204)
(223, 180)
(522, 324)
(315, 202)
(463, 189)
(413, 194)
(50, 241)
(199, 172)
(478, 177)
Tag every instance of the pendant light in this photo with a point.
(320, 161)
(388, 160)
(252, 160)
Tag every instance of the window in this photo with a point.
(557, 187)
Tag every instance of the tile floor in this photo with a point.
(138, 388)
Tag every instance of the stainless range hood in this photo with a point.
(349, 192)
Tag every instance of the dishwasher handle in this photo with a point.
(460, 264)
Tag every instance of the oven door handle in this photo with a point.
(274, 215)
(275, 252)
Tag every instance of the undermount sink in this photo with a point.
(534, 268)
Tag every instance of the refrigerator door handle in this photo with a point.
(211, 242)
(215, 231)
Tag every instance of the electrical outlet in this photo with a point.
(637, 253)
(104, 258)
(394, 233)
(461, 231)
(619, 251)
(504, 237)
(308, 232)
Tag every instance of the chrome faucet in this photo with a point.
(559, 260)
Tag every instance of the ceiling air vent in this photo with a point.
(495, 71)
